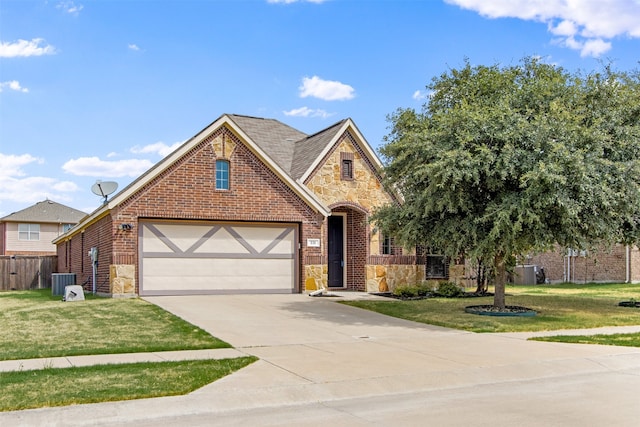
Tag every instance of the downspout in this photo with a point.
(628, 265)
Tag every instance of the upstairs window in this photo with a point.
(346, 166)
(66, 227)
(28, 231)
(222, 174)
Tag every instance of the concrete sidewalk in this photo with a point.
(103, 359)
(325, 363)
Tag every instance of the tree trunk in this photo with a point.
(481, 279)
(500, 281)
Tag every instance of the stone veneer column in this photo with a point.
(122, 280)
(315, 277)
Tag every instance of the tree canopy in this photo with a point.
(502, 161)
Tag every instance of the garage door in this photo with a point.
(191, 258)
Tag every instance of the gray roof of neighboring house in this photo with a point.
(292, 150)
(46, 211)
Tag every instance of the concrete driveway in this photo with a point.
(326, 363)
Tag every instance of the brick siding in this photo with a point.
(186, 191)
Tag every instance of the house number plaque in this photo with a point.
(313, 243)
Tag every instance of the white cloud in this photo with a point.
(16, 186)
(13, 85)
(93, 166)
(133, 46)
(326, 90)
(586, 26)
(21, 47)
(156, 148)
(595, 47)
(307, 112)
(70, 7)
(420, 95)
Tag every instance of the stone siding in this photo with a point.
(385, 278)
(315, 277)
(364, 192)
(122, 279)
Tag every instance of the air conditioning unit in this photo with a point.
(525, 275)
(60, 280)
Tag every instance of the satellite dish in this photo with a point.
(104, 189)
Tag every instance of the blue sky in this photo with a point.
(102, 90)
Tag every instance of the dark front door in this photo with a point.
(336, 251)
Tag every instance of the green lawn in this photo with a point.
(566, 306)
(38, 325)
(625, 340)
(103, 383)
(41, 325)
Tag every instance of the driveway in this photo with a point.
(327, 363)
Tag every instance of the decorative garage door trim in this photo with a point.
(187, 257)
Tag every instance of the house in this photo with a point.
(620, 263)
(32, 230)
(246, 205)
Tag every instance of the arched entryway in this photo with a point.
(347, 247)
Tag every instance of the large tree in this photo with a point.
(506, 160)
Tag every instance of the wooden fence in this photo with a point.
(18, 272)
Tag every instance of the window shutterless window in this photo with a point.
(387, 245)
(28, 231)
(222, 174)
(346, 166)
(437, 267)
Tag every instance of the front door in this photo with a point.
(336, 251)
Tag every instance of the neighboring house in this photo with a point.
(621, 263)
(32, 230)
(246, 205)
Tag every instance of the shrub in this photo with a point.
(413, 291)
(406, 291)
(424, 289)
(449, 290)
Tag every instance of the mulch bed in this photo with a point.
(430, 295)
(509, 310)
(635, 304)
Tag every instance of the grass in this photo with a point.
(625, 340)
(103, 383)
(41, 325)
(566, 306)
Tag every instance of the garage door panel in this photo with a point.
(217, 257)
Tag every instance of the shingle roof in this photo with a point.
(292, 150)
(307, 150)
(46, 211)
(274, 137)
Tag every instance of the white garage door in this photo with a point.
(191, 258)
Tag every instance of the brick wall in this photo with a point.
(357, 245)
(73, 255)
(187, 191)
(604, 265)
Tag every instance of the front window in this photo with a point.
(28, 231)
(222, 175)
(437, 267)
(66, 227)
